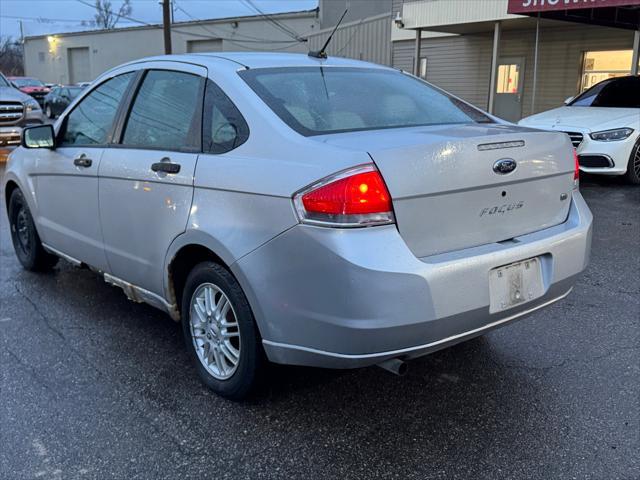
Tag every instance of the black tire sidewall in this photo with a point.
(246, 376)
(631, 174)
(16, 203)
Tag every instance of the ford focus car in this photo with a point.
(604, 126)
(300, 210)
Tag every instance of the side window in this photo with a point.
(90, 121)
(224, 127)
(164, 112)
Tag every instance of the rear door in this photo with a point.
(67, 177)
(146, 179)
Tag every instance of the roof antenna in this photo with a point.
(321, 53)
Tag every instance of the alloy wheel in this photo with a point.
(214, 331)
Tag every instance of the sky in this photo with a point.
(41, 17)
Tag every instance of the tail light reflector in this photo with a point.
(357, 197)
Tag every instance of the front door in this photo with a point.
(509, 88)
(146, 181)
(67, 177)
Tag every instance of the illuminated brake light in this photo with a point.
(356, 197)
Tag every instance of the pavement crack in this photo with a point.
(32, 372)
(56, 331)
(39, 312)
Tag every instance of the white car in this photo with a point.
(604, 126)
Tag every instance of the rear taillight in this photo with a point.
(576, 169)
(357, 197)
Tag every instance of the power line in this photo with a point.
(209, 37)
(289, 32)
(44, 19)
(208, 28)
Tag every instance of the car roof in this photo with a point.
(260, 60)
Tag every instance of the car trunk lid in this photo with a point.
(446, 194)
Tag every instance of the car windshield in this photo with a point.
(28, 82)
(322, 100)
(614, 93)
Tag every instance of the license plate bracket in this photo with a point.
(514, 284)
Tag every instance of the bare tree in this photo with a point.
(106, 17)
(11, 62)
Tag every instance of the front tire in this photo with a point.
(633, 167)
(220, 332)
(24, 236)
(47, 111)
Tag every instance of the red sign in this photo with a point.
(531, 6)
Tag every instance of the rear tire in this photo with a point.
(25, 238)
(47, 111)
(633, 167)
(220, 332)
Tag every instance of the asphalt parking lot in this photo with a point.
(95, 386)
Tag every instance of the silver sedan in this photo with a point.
(300, 210)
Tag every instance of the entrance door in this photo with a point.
(509, 88)
(79, 65)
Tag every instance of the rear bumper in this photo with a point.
(351, 298)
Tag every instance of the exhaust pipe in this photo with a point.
(395, 366)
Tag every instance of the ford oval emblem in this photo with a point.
(504, 166)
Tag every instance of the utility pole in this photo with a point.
(166, 25)
(22, 46)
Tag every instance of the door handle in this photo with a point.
(82, 161)
(165, 166)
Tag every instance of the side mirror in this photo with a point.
(567, 100)
(39, 136)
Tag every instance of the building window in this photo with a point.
(508, 78)
(598, 66)
(41, 57)
(423, 68)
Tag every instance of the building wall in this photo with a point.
(332, 10)
(368, 40)
(49, 60)
(461, 64)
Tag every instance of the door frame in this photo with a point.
(511, 60)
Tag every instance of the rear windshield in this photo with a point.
(613, 93)
(321, 100)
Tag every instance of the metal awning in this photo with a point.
(609, 13)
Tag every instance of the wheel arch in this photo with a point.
(185, 252)
(9, 187)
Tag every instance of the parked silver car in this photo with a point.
(321, 212)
